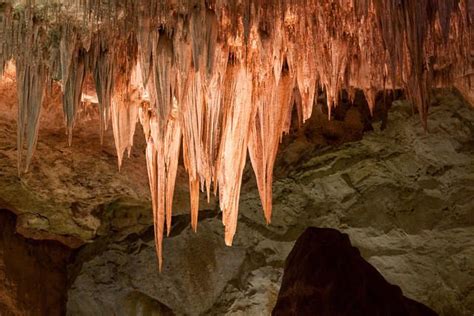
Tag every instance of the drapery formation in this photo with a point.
(222, 77)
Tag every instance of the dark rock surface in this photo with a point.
(33, 275)
(325, 275)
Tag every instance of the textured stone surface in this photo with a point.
(33, 275)
(73, 194)
(325, 275)
(403, 196)
(195, 272)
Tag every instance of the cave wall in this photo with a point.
(402, 195)
(221, 77)
(325, 276)
(33, 274)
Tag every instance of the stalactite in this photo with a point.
(31, 76)
(31, 81)
(192, 123)
(221, 77)
(124, 120)
(213, 113)
(102, 64)
(271, 121)
(126, 96)
(238, 113)
(73, 70)
(6, 35)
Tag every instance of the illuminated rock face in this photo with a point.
(221, 78)
(403, 196)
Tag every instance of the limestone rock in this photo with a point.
(33, 275)
(197, 268)
(402, 195)
(325, 275)
(222, 78)
(74, 194)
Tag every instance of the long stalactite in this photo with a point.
(221, 78)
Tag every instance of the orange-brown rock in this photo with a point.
(33, 274)
(220, 78)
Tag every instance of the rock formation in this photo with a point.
(217, 78)
(325, 275)
(403, 196)
(214, 84)
(33, 275)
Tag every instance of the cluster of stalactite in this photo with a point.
(221, 77)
